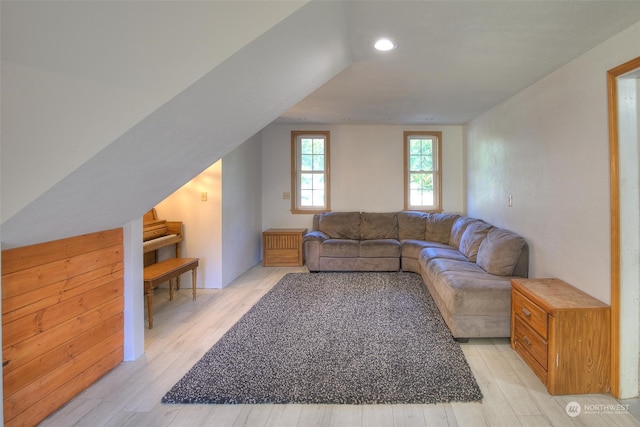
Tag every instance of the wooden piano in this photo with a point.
(158, 234)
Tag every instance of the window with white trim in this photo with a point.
(310, 171)
(422, 169)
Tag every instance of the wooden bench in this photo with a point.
(166, 271)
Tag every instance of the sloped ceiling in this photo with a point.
(108, 106)
(182, 136)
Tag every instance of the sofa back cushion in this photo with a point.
(340, 225)
(500, 251)
(458, 228)
(472, 237)
(439, 227)
(411, 225)
(378, 226)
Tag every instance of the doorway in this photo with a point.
(624, 129)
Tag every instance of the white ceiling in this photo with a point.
(455, 59)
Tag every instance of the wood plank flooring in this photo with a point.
(184, 330)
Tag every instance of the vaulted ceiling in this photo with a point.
(454, 59)
(108, 107)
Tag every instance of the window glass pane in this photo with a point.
(306, 146)
(318, 146)
(427, 163)
(415, 163)
(306, 162)
(306, 197)
(415, 147)
(427, 147)
(306, 181)
(414, 198)
(318, 181)
(426, 182)
(318, 163)
(318, 198)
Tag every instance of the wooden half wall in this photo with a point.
(62, 321)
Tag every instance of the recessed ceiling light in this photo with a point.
(384, 44)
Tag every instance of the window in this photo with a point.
(422, 170)
(309, 171)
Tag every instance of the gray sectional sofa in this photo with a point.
(466, 264)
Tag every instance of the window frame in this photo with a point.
(296, 208)
(437, 173)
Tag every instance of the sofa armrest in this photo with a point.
(312, 250)
(318, 236)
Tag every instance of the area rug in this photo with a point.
(335, 338)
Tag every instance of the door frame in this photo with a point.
(614, 174)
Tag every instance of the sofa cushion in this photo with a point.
(458, 228)
(378, 226)
(439, 227)
(412, 248)
(340, 225)
(500, 251)
(379, 248)
(449, 253)
(466, 289)
(339, 248)
(473, 235)
(411, 225)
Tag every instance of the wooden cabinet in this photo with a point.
(563, 335)
(282, 247)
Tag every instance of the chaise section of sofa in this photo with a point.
(472, 286)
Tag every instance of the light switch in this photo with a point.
(286, 195)
(203, 196)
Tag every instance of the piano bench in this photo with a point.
(164, 271)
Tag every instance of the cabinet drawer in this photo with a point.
(531, 342)
(532, 363)
(530, 313)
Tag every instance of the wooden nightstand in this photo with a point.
(283, 247)
(562, 334)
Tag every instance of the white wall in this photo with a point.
(225, 231)
(134, 324)
(366, 170)
(202, 224)
(548, 147)
(241, 209)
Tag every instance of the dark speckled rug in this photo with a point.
(335, 338)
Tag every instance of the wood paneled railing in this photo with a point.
(62, 321)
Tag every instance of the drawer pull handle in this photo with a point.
(526, 312)
(527, 341)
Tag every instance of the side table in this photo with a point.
(283, 247)
(562, 334)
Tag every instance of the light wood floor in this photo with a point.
(184, 330)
